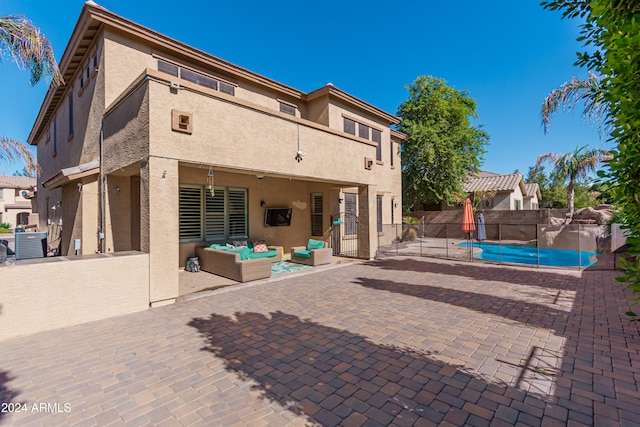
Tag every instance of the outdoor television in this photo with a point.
(277, 217)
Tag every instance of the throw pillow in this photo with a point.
(260, 246)
(240, 243)
(315, 244)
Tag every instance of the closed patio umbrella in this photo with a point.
(468, 224)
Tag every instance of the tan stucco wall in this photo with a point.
(39, 296)
(126, 131)
(88, 106)
(118, 214)
(125, 60)
(159, 219)
(227, 134)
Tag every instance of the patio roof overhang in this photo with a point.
(71, 174)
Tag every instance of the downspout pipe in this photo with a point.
(101, 235)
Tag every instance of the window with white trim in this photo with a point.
(219, 216)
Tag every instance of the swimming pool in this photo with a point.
(520, 254)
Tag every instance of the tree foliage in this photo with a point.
(29, 49)
(554, 190)
(569, 168)
(612, 29)
(443, 146)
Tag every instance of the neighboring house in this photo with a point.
(533, 197)
(15, 204)
(156, 146)
(511, 193)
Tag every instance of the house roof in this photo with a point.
(95, 18)
(495, 182)
(533, 189)
(18, 205)
(22, 182)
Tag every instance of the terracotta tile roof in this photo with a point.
(532, 189)
(493, 182)
(23, 182)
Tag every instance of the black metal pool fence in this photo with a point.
(573, 245)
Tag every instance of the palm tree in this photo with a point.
(589, 91)
(572, 166)
(29, 49)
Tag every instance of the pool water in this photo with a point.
(520, 254)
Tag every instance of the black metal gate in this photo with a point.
(344, 234)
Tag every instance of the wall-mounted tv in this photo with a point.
(277, 217)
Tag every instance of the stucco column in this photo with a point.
(367, 226)
(90, 208)
(159, 224)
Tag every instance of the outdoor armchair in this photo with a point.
(316, 252)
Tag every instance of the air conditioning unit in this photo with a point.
(368, 163)
(31, 245)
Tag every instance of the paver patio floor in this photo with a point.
(396, 341)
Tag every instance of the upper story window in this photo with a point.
(70, 97)
(194, 77)
(376, 136)
(363, 131)
(349, 126)
(287, 109)
(391, 153)
(55, 137)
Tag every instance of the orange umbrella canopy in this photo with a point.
(468, 224)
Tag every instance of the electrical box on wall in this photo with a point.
(368, 163)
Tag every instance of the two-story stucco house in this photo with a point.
(15, 204)
(156, 146)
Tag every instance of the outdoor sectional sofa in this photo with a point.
(240, 264)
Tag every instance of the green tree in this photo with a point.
(29, 49)
(572, 167)
(611, 28)
(443, 147)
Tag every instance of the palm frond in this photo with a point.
(28, 48)
(570, 94)
(12, 150)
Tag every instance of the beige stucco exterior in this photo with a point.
(38, 296)
(131, 201)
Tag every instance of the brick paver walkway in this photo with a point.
(399, 341)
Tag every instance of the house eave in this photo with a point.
(67, 175)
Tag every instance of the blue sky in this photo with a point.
(508, 55)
